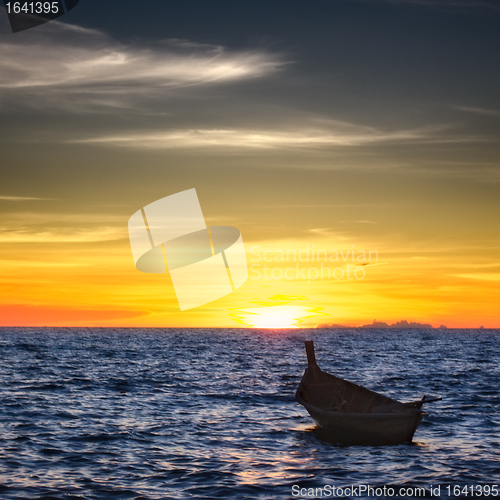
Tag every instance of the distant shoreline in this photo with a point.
(401, 325)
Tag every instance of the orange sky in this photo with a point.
(359, 138)
(96, 284)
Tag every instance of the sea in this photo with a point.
(102, 413)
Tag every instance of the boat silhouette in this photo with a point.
(348, 413)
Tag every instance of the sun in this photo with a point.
(275, 317)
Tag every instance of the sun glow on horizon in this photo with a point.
(275, 317)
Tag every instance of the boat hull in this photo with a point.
(348, 413)
(365, 429)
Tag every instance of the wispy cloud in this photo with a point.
(32, 227)
(61, 219)
(342, 135)
(358, 222)
(479, 276)
(478, 111)
(23, 198)
(70, 60)
(472, 170)
(63, 235)
(6, 263)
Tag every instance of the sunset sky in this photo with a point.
(321, 125)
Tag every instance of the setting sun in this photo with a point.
(275, 316)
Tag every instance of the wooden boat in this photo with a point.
(350, 414)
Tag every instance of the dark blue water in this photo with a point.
(168, 414)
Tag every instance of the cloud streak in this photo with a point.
(27, 235)
(477, 276)
(23, 198)
(479, 111)
(343, 135)
(71, 60)
(33, 227)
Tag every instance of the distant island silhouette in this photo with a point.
(381, 324)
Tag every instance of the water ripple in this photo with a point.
(174, 414)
